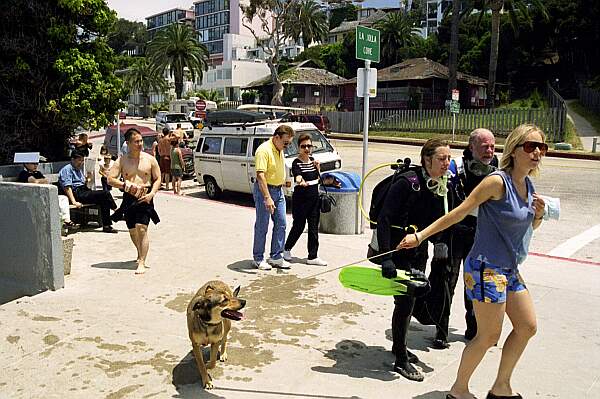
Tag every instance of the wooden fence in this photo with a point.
(501, 121)
(589, 98)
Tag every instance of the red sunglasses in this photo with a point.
(530, 146)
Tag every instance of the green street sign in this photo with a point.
(454, 107)
(367, 44)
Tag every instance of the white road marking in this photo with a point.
(574, 244)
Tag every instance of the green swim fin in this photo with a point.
(370, 281)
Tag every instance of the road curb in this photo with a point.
(457, 145)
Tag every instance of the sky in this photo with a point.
(138, 10)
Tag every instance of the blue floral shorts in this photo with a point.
(487, 283)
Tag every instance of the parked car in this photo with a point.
(224, 155)
(320, 121)
(148, 136)
(171, 120)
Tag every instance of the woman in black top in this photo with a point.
(305, 202)
(411, 203)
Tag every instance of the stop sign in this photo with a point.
(200, 105)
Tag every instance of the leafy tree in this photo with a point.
(275, 30)
(249, 96)
(514, 9)
(127, 35)
(175, 48)
(57, 72)
(313, 53)
(341, 13)
(306, 20)
(145, 78)
(397, 31)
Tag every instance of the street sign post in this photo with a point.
(455, 94)
(200, 105)
(372, 83)
(454, 109)
(367, 49)
(367, 44)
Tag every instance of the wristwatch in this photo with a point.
(298, 179)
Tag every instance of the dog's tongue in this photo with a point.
(232, 314)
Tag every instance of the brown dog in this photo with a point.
(208, 319)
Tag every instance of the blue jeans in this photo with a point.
(262, 224)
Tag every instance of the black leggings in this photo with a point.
(305, 210)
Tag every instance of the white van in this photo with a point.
(224, 155)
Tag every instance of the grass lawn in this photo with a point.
(461, 138)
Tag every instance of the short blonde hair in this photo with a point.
(516, 137)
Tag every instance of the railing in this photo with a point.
(589, 98)
(555, 100)
(501, 121)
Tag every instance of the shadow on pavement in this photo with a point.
(125, 265)
(187, 381)
(238, 199)
(358, 360)
(421, 337)
(431, 395)
(243, 266)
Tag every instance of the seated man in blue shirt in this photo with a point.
(72, 181)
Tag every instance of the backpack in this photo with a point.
(403, 170)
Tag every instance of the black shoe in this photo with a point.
(406, 370)
(440, 344)
(412, 358)
(109, 229)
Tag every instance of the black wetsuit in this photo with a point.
(403, 206)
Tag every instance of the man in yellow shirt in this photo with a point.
(269, 199)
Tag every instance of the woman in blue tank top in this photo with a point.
(508, 206)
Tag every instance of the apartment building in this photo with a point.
(159, 21)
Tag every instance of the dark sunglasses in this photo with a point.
(530, 146)
(304, 146)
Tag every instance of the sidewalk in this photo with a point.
(111, 334)
(585, 130)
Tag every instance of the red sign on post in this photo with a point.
(122, 115)
(455, 95)
(200, 105)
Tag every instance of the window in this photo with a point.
(212, 145)
(256, 143)
(227, 73)
(235, 146)
(219, 74)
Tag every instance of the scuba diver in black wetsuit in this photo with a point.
(411, 203)
(477, 162)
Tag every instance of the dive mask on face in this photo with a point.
(479, 168)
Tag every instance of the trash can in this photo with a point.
(344, 218)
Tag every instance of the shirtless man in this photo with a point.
(141, 176)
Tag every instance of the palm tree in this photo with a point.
(397, 31)
(306, 20)
(515, 9)
(210, 95)
(176, 48)
(453, 56)
(145, 78)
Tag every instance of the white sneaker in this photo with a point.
(279, 263)
(287, 255)
(262, 265)
(316, 262)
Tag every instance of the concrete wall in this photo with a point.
(31, 253)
